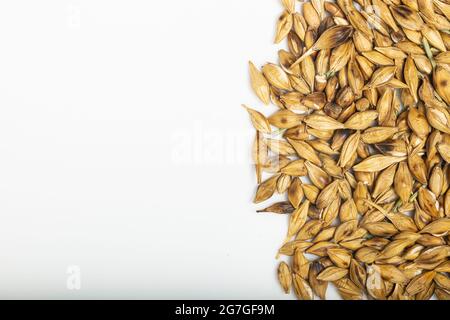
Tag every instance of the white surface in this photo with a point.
(124, 150)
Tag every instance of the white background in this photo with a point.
(124, 150)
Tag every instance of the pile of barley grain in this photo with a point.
(363, 117)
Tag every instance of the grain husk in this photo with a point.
(359, 145)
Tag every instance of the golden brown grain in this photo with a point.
(359, 145)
